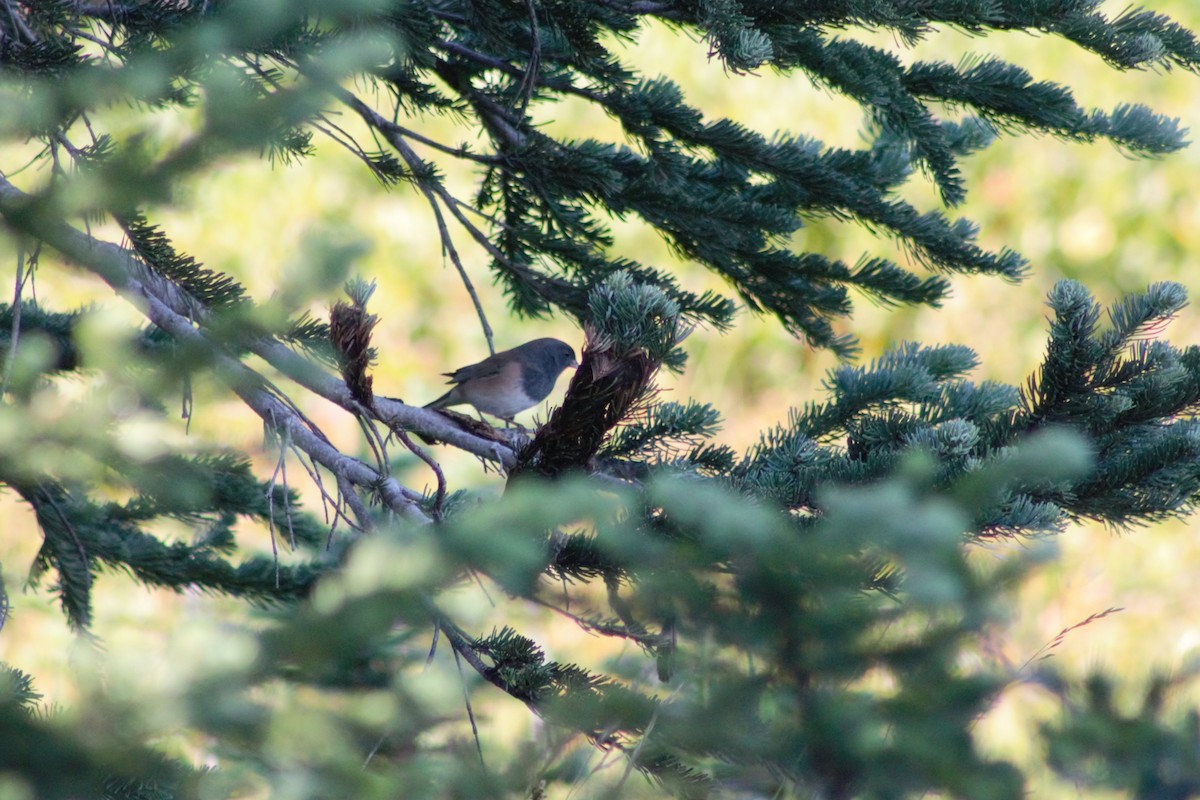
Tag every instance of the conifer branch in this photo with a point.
(119, 266)
(154, 298)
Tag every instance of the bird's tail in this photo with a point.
(442, 402)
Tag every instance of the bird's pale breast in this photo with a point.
(501, 395)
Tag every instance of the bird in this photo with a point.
(511, 381)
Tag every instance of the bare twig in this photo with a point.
(106, 46)
(559, 85)
(327, 500)
(280, 474)
(345, 139)
(448, 248)
(1043, 652)
(15, 333)
(440, 498)
(374, 750)
(104, 9)
(271, 528)
(602, 627)
(437, 632)
(470, 712)
(500, 118)
(530, 79)
(18, 22)
(4, 604)
(375, 441)
(66, 521)
(356, 504)
(631, 759)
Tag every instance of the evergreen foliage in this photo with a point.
(806, 615)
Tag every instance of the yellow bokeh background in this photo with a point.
(1082, 211)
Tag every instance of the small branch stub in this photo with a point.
(350, 328)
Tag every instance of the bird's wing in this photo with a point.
(484, 369)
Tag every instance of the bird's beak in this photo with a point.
(574, 364)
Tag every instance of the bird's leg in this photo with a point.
(511, 422)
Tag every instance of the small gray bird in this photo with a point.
(507, 383)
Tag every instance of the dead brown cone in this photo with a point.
(350, 328)
(608, 385)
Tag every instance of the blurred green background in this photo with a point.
(1081, 211)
